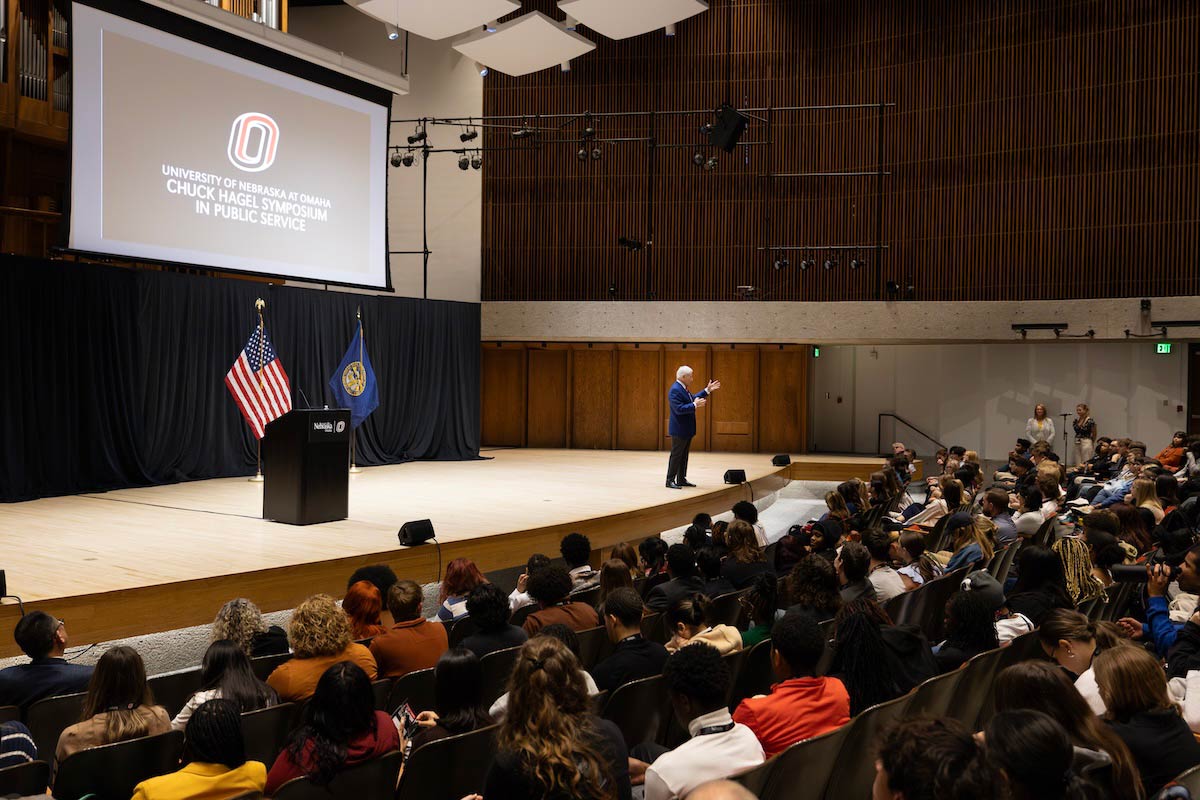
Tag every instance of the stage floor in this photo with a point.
(142, 560)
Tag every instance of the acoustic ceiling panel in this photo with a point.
(620, 19)
(529, 43)
(437, 19)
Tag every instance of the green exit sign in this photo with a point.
(1163, 348)
(816, 351)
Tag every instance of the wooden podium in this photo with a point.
(306, 457)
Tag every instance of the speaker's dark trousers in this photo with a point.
(677, 466)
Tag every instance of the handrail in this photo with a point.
(902, 420)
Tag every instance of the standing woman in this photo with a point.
(1085, 434)
(1040, 428)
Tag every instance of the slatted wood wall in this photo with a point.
(613, 396)
(1040, 149)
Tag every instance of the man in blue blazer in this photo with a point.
(683, 423)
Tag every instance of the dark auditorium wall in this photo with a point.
(613, 396)
(1039, 149)
(115, 377)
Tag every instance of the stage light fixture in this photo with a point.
(857, 264)
(830, 264)
(632, 245)
(582, 154)
(467, 136)
(463, 162)
(711, 164)
(698, 159)
(892, 288)
(418, 136)
(491, 26)
(565, 66)
(477, 160)
(522, 133)
(482, 69)
(805, 264)
(781, 262)
(669, 30)
(407, 160)
(393, 33)
(706, 129)
(396, 159)
(596, 154)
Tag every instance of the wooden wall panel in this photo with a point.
(696, 357)
(549, 397)
(1028, 147)
(639, 403)
(592, 397)
(782, 386)
(732, 411)
(502, 378)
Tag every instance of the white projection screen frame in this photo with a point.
(193, 146)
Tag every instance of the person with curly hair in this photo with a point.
(487, 607)
(414, 642)
(363, 606)
(812, 588)
(576, 550)
(461, 577)
(240, 621)
(551, 588)
(340, 728)
(928, 759)
(320, 637)
(550, 745)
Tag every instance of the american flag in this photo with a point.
(258, 383)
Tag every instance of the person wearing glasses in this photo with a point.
(43, 638)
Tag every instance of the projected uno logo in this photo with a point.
(253, 141)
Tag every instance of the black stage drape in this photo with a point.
(115, 377)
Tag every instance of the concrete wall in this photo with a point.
(980, 395)
(442, 83)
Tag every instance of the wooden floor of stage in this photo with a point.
(141, 560)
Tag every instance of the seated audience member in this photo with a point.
(379, 574)
(1008, 623)
(571, 642)
(995, 508)
(882, 574)
(837, 509)
(551, 588)
(1146, 500)
(118, 706)
(363, 606)
(1133, 530)
(721, 790)
(812, 588)
(1100, 532)
(240, 621)
(1190, 469)
(576, 550)
(614, 574)
(414, 642)
(703, 522)
(652, 553)
(633, 656)
(761, 606)
(226, 675)
(745, 561)
(708, 561)
(43, 638)
(792, 546)
(1047, 484)
(1167, 489)
(488, 608)
(747, 512)
(971, 547)
(550, 744)
(826, 540)
(919, 567)
(519, 596)
(970, 630)
(1028, 519)
(801, 705)
(688, 620)
(681, 566)
(461, 577)
(458, 698)
(320, 637)
(719, 528)
(928, 759)
(629, 554)
(1041, 586)
(1073, 641)
(696, 537)
(217, 768)
(697, 681)
(1159, 628)
(1031, 757)
(945, 498)
(340, 728)
(16, 745)
(1042, 686)
(910, 660)
(861, 658)
(1082, 584)
(1140, 711)
(1171, 457)
(852, 565)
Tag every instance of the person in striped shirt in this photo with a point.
(16, 745)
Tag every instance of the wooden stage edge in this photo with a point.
(105, 616)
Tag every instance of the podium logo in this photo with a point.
(253, 141)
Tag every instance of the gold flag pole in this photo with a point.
(259, 305)
(354, 468)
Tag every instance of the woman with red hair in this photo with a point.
(461, 577)
(363, 605)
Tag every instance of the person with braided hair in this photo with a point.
(550, 745)
(217, 768)
(1082, 584)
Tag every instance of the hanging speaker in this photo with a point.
(735, 476)
(781, 460)
(418, 531)
(727, 128)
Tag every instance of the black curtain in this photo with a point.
(115, 377)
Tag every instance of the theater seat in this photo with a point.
(266, 731)
(25, 780)
(50, 716)
(372, 780)
(111, 771)
(450, 768)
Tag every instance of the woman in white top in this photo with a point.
(226, 674)
(919, 566)
(1040, 428)
(1073, 640)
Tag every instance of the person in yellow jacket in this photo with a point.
(219, 769)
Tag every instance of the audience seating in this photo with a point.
(266, 731)
(727, 609)
(461, 629)
(248, 796)
(497, 666)
(450, 768)
(382, 689)
(263, 666)
(173, 690)
(1023, 648)
(755, 676)
(848, 775)
(50, 716)
(521, 614)
(935, 696)
(591, 596)
(1190, 780)
(654, 628)
(934, 540)
(373, 780)
(973, 697)
(111, 771)
(827, 630)
(1119, 595)
(593, 646)
(25, 780)
(415, 688)
(1045, 534)
(640, 709)
(10, 713)
(802, 771)
(925, 606)
(652, 581)
(1000, 573)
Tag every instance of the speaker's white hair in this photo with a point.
(684, 370)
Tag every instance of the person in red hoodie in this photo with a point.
(801, 706)
(341, 728)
